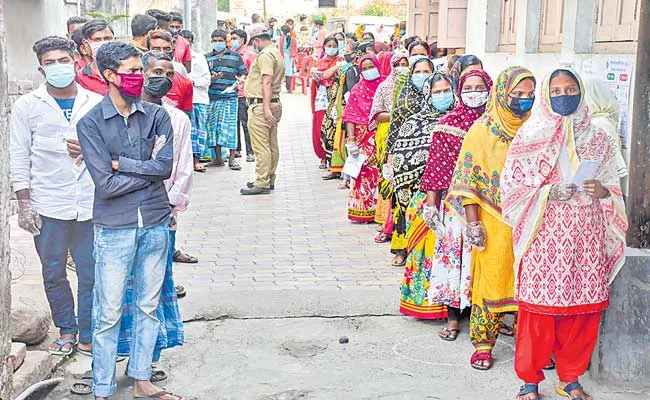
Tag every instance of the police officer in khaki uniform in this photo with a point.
(262, 91)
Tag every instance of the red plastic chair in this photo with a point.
(303, 64)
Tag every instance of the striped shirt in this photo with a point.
(231, 65)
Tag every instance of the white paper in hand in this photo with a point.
(586, 171)
(353, 165)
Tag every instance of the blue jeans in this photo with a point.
(52, 245)
(117, 251)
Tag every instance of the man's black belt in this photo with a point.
(257, 100)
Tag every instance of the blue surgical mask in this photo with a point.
(59, 75)
(235, 44)
(416, 58)
(566, 105)
(402, 70)
(331, 51)
(341, 45)
(256, 50)
(520, 106)
(219, 47)
(442, 101)
(371, 74)
(418, 80)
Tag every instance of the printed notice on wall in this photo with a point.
(618, 76)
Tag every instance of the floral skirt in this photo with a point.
(362, 197)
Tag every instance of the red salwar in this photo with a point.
(317, 123)
(571, 338)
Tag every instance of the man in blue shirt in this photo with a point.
(131, 215)
(228, 72)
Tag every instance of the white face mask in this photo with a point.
(94, 46)
(475, 99)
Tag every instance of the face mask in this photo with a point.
(402, 70)
(158, 86)
(94, 47)
(371, 74)
(416, 58)
(565, 105)
(521, 106)
(348, 58)
(418, 80)
(341, 45)
(442, 101)
(219, 47)
(475, 99)
(59, 75)
(331, 51)
(131, 85)
(235, 44)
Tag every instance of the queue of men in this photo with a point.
(102, 160)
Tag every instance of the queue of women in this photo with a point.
(473, 183)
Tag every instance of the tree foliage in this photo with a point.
(377, 9)
(107, 17)
(223, 5)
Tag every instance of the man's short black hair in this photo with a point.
(318, 22)
(142, 24)
(50, 43)
(159, 15)
(78, 39)
(176, 17)
(149, 56)
(303, 17)
(77, 19)
(241, 33)
(95, 25)
(219, 33)
(111, 54)
(187, 35)
(263, 36)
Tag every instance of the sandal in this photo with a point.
(216, 163)
(506, 330)
(199, 168)
(570, 387)
(157, 375)
(61, 343)
(332, 176)
(83, 386)
(551, 366)
(160, 395)
(479, 357)
(344, 185)
(234, 165)
(181, 257)
(399, 260)
(526, 389)
(448, 335)
(180, 291)
(383, 238)
(323, 164)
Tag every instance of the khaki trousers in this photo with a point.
(264, 140)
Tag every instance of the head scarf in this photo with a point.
(385, 65)
(411, 148)
(534, 163)
(478, 171)
(457, 69)
(357, 110)
(383, 101)
(409, 101)
(605, 109)
(448, 137)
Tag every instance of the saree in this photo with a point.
(331, 120)
(567, 253)
(450, 277)
(476, 180)
(320, 104)
(410, 152)
(361, 197)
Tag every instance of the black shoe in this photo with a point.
(251, 185)
(254, 191)
(180, 291)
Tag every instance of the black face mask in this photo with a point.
(349, 58)
(158, 86)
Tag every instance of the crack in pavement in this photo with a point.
(224, 317)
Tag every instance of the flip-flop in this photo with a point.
(82, 386)
(506, 330)
(571, 386)
(181, 257)
(61, 342)
(529, 388)
(87, 353)
(157, 375)
(202, 169)
(402, 263)
(160, 395)
(383, 238)
(448, 332)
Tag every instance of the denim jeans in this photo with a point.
(52, 245)
(116, 252)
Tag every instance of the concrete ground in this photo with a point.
(282, 278)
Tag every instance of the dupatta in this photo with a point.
(532, 167)
(357, 109)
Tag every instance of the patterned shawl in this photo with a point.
(383, 101)
(547, 144)
(448, 138)
(412, 145)
(409, 101)
(478, 171)
(357, 110)
(604, 109)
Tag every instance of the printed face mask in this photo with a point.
(475, 99)
(371, 74)
(331, 51)
(520, 106)
(158, 86)
(566, 105)
(442, 101)
(59, 75)
(418, 80)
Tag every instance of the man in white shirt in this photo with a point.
(54, 190)
(201, 80)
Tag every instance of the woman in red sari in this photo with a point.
(568, 236)
(323, 76)
(361, 141)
